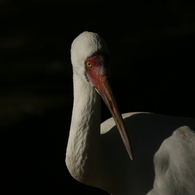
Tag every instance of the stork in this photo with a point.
(96, 154)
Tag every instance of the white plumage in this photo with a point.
(175, 164)
(96, 155)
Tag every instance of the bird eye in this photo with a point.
(89, 64)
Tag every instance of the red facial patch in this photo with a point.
(95, 69)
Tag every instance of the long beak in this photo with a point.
(106, 93)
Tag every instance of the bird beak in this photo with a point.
(104, 89)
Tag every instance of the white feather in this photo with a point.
(175, 164)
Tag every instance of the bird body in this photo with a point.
(147, 132)
(95, 153)
(175, 164)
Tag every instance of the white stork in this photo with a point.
(95, 154)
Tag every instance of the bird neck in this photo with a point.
(84, 134)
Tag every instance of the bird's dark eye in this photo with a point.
(88, 64)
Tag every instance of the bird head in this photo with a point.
(84, 52)
(89, 56)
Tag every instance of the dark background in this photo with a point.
(152, 69)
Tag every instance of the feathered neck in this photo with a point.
(84, 131)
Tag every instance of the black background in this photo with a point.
(152, 69)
